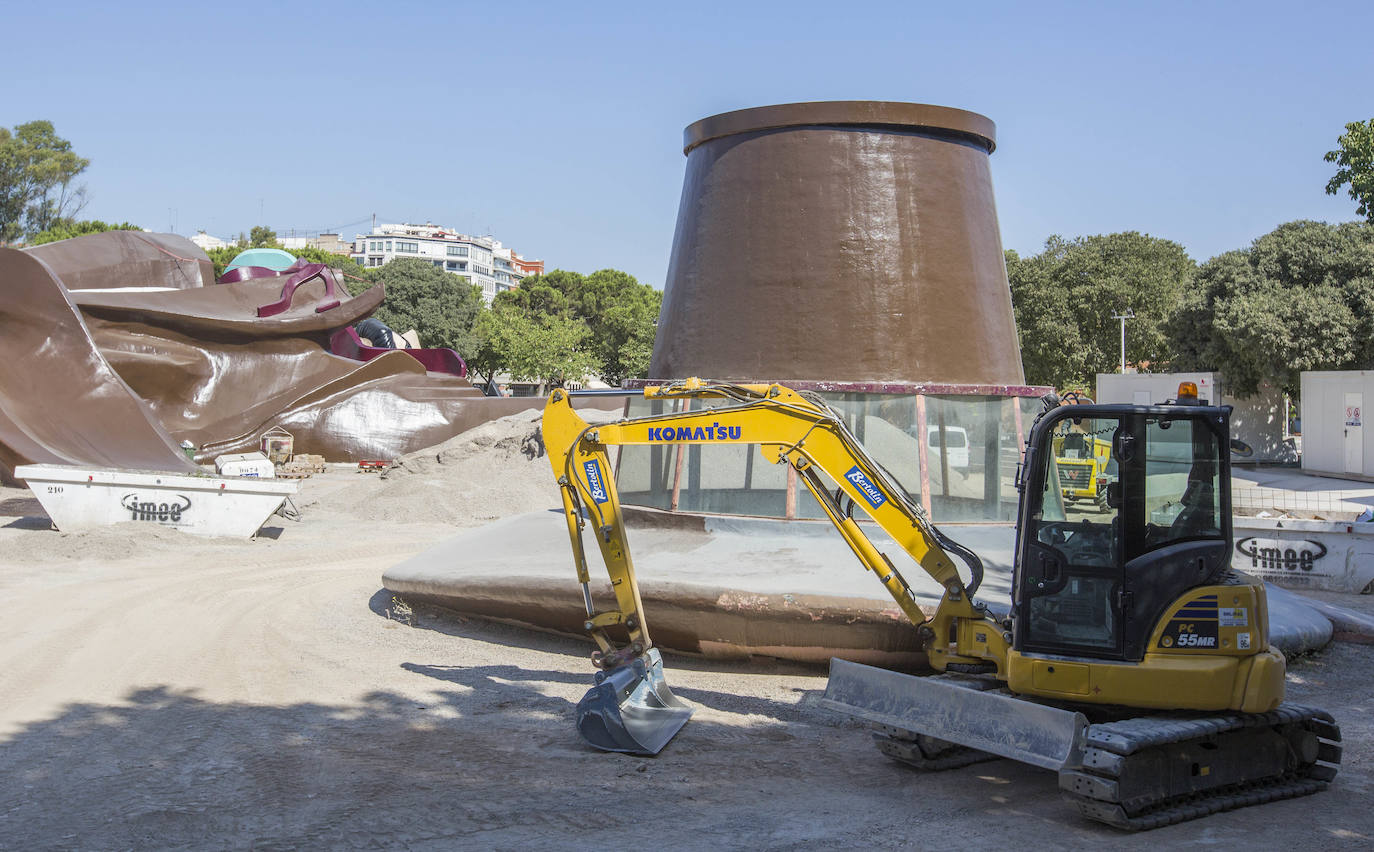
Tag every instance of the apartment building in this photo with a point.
(482, 260)
(324, 242)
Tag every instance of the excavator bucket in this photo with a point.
(631, 709)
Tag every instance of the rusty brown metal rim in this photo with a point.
(899, 388)
(957, 124)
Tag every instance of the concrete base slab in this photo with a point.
(734, 587)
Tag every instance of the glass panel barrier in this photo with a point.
(973, 446)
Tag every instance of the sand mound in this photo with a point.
(107, 544)
(491, 471)
(515, 436)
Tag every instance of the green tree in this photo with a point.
(622, 316)
(552, 294)
(1300, 298)
(65, 229)
(1355, 166)
(356, 275)
(37, 168)
(490, 354)
(262, 236)
(1052, 350)
(1066, 297)
(442, 307)
(618, 312)
(222, 256)
(532, 347)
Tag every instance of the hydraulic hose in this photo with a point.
(975, 565)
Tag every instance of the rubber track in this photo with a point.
(1225, 799)
(1130, 736)
(904, 749)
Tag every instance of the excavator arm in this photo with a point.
(791, 428)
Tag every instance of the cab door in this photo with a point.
(1069, 573)
(1176, 514)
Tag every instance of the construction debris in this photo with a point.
(301, 466)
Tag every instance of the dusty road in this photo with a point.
(167, 692)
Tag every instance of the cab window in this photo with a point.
(1182, 482)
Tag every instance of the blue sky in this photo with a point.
(557, 127)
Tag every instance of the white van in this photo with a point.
(956, 442)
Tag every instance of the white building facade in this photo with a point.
(323, 242)
(482, 260)
(207, 242)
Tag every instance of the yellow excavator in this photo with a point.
(1133, 660)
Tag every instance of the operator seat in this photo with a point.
(1199, 514)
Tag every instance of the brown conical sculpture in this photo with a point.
(847, 241)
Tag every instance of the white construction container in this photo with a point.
(79, 498)
(1260, 420)
(245, 464)
(1306, 554)
(1334, 442)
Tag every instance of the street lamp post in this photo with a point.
(1123, 317)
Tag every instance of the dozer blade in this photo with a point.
(631, 709)
(960, 710)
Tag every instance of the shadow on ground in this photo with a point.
(490, 764)
(486, 757)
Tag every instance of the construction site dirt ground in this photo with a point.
(163, 691)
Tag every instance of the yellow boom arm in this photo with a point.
(790, 428)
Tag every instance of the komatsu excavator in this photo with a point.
(1133, 661)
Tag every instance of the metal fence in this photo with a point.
(1329, 505)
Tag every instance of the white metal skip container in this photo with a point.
(79, 498)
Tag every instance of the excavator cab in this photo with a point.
(1093, 581)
